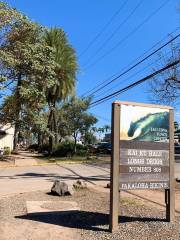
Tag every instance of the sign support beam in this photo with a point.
(169, 193)
(114, 186)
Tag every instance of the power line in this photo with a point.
(130, 77)
(103, 29)
(115, 31)
(128, 35)
(102, 82)
(134, 84)
(135, 65)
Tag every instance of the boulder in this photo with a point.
(178, 180)
(79, 185)
(61, 188)
(108, 185)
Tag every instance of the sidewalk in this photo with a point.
(25, 159)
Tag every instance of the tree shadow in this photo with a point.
(78, 219)
(52, 176)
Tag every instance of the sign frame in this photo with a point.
(115, 166)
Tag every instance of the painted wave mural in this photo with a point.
(144, 124)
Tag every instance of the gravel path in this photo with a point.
(137, 221)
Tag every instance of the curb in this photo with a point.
(33, 165)
(44, 164)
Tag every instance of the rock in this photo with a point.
(71, 189)
(108, 185)
(79, 185)
(178, 180)
(61, 188)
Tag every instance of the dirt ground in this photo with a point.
(142, 215)
(15, 225)
(137, 214)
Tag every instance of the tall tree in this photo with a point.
(66, 67)
(27, 64)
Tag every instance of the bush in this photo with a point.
(7, 151)
(82, 153)
(34, 147)
(44, 148)
(81, 150)
(65, 149)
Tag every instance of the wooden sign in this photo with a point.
(142, 152)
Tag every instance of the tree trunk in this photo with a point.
(50, 145)
(75, 142)
(50, 126)
(18, 109)
(39, 139)
(15, 141)
(55, 126)
(52, 123)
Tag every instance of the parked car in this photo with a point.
(104, 148)
(176, 148)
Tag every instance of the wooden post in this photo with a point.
(169, 193)
(114, 181)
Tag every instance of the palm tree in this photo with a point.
(94, 129)
(100, 130)
(66, 68)
(107, 128)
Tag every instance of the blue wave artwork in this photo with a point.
(152, 127)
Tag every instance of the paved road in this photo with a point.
(32, 178)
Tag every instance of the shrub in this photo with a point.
(34, 147)
(82, 153)
(7, 151)
(81, 150)
(65, 149)
(44, 148)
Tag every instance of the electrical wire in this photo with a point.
(128, 35)
(135, 65)
(128, 66)
(130, 77)
(114, 32)
(103, 29)
(95, 103)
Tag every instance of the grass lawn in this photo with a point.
(74, 159)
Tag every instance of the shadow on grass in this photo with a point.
(81, 219)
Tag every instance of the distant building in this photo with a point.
(6, 136)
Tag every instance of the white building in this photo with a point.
(6, 136)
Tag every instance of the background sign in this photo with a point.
(144, 147)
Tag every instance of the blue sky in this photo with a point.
(82, 20)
